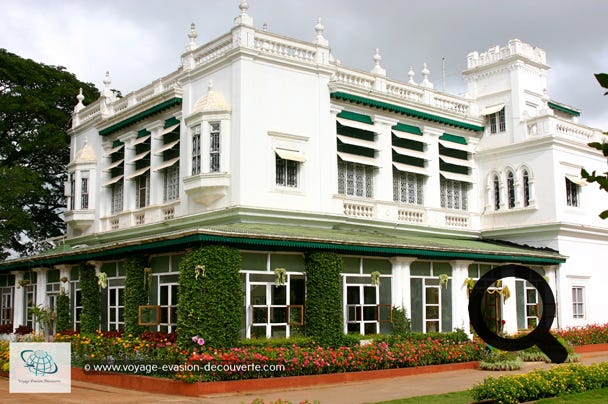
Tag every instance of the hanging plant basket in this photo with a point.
(470, 284)
(375, 278)
(102, 280)
(443, 280)
(199, 270)
(64, 279)
(23, 283)
(280, 276)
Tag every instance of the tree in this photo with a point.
(602, 179)
(36, 103)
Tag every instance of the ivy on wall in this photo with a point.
(90, 317)
(210, 297)
(324, 316)
(64, 321)
(136, 293)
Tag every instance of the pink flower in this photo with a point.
(200, 341)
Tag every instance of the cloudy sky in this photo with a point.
(141, 40)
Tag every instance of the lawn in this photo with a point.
(593, 396)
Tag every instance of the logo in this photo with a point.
(540, 336)
(40, 367)
(39, 363)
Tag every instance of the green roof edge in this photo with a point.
(561, 108)
(405, 111)
(140, 116)
(292, 244)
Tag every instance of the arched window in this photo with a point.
(510, 190)
(525, 183)
(496, 188)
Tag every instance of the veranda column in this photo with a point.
(509, 307)
(551, 278)
(400, 286)
(41, 280)
(460, 301)
(383, 188)
(64, 273)
(18, 304)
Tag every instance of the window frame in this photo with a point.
(456, 187)
(408, 188)
(578, 306)
(360, 178)
(511, 199)
(171, 183)
(196, 149)
(215, 146)
(497, 122)
(287, 172)
(573, 191)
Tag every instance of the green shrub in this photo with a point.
(324, 318)
(542, 383)
(401, 323)
(64, 320)
(501, 360)
(210, 297)
(136, 293)
(90, 317)
(454, 337)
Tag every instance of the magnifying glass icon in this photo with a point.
(540, 336)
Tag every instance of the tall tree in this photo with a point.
(36, 104)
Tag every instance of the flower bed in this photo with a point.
(590, 334)
(542, 383)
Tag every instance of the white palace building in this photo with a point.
(270, 145)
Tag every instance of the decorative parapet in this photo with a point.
(549, 125)
(513, 48)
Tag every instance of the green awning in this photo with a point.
(347, 240)
(404, 111)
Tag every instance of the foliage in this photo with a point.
(4, 356)
(589, 334)
(324, 317)
(401, 323)
(501, 360)
(534, 354)
(45, 317)
(210, 296)
(90, 317)
(64, 321)
(136, 293)
(542, 383)
(6, 328)
(601, 179)
(23, 330)
(36, 102)
(297, 361)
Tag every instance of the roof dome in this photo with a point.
(213, 101)
(85, 154)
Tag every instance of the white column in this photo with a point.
(41, 280)
(64, 273)
(384, 182)
(551, 278)
(460, 301)
(432, 196)
(18, 303)
(509, 308)
(400, 286)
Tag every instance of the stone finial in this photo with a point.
(210, 86)
(192, 35)
(319, 29)
(107, 92)
(377, 68)
(80, 98)
(243, 18)
(265, 27)
(425, 77)
(411, 75)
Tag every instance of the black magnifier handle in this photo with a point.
(552, 348)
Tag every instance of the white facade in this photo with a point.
(266, 129)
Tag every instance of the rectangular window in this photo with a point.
(77, 306)
(171, 187)
(116, 308)
(196, 150)
(168, 306)
(117, 197)
(30, 303)
(143, 191)
(72, 192)
(497, 121)
(214, 147)
(578, 302)
(84, 191)
(453, 194)
(572, 193)
(286, 172)
(6, 305)
(355, 179)
(407, 187)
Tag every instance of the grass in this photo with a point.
(593, 396)
(457, 397)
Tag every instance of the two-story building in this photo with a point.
(270, 145)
